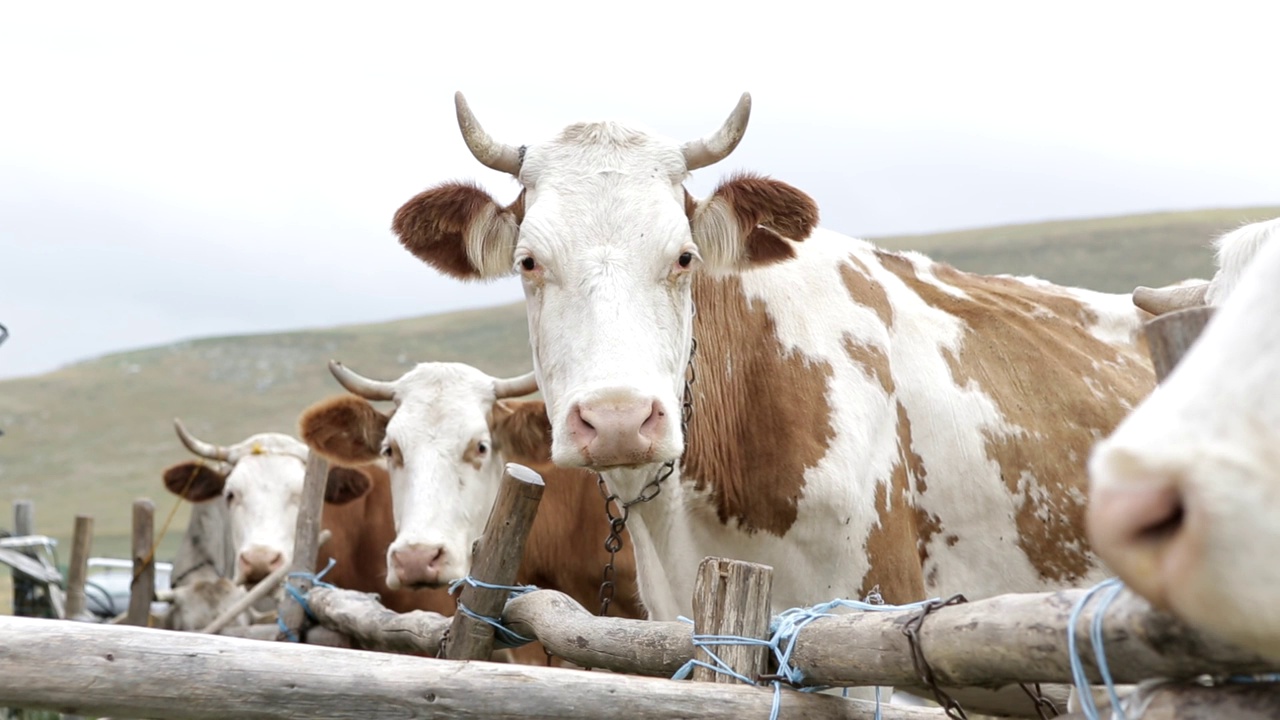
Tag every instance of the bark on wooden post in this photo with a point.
(1171, 335)
(732, 597)
(496, 562)
(306, 545)
(78, 570)
(143, 588)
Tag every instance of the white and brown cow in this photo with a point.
(452, 430)
(860, 417)
(1185, 493)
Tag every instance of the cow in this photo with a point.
(260, 480)
(452, 430)
(855, 418)
(1185, 493)
(1234, 251)
(860, 417)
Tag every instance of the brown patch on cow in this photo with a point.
(760, 415)
(521, 428)
(897, 547)
(194, 481)
(873, 359)
(433, 225)
(1029, 349)
(866, 291)
(344, 429)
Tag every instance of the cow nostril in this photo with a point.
(1162, 529)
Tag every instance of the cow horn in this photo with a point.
(200, 447)
(499, 156)
(1159, 301)
(714, 148)
(361, 385)
(515, 387)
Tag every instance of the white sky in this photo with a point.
(173, 170)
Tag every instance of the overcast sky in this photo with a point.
(173, 170)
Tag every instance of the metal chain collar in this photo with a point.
(618, 522)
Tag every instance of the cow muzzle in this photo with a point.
(616, 429)
(256, 562)
(418, 566)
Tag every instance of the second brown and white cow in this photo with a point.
(452, 430)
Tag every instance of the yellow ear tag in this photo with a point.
(258, 450)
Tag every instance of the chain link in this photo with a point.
(618, 522)
(912, 629)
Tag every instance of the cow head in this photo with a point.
(1185, 494)
(607, 241)
(260, 480)
(444, 443)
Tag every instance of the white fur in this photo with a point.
(265, 491)
(1234, 251)
(439, 498)
(1212, 432)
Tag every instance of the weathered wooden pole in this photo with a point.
(732, 597)
(306, 546)
(1176, 701)
(109, 670)
(1171, 335)
(78, 570)
(143, 588)
(495, 562)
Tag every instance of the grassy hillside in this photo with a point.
(92, 437)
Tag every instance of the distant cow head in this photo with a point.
(261, 480)
(444, 443)
(607, 240)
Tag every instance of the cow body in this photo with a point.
(1185, 493)
(860, 418)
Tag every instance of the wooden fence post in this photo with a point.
(143, 588)
(496, 562)
(306, 546)
(78, 570)
(23, 524)
(732, 597)
(1171, 335)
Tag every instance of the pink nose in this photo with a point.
(1141, 532)
(257, 562)
(418, 565)
(617, 431)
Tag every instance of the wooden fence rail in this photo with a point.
(986, 643)
(137, 672)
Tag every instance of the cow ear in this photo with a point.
(749, 221)
(345, 429)
(345, 484)
(195, 481)
(522, 430)
(458, 229)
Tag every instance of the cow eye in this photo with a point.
(482, 447)
(386, 451)
(528, 264)
(686, 259)
(231, 496)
